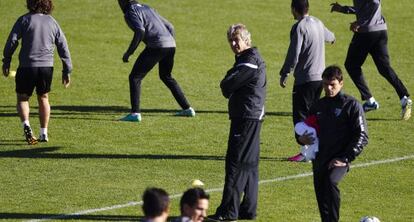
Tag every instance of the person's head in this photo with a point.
(124, 3)
(332, 80)
(194, 204)
(299, 8)
(40, 6)
(156, 203)
(239, 38)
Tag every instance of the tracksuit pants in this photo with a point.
(242, 173)
(375, 44)
(303, 97)
(144, 63)
(325, 182)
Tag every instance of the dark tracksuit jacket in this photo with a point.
(245, 87)
(343, 135)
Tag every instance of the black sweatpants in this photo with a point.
(325, 182)
(303, 97)
(375, 44)
(144, 63)
(242, 173)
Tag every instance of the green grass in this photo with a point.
(93, 161)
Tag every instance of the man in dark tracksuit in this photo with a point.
(245, 87)
(370, 37)
(342, 136)
(158, 35)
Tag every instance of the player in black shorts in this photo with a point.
(40, 33)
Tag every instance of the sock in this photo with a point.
(26, 123)
(43, 131)
(371, 100)
(136, 114)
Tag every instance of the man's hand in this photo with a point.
(336, 7)
(306, 138)
(354, 27)
(66, 81)
(283, 80)
(125, 57)
(337, 163)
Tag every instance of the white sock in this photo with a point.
(43, 131)
(136, 114)
(371, 100)
(26, 123)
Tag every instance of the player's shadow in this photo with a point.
(50, 153)
(34, 216)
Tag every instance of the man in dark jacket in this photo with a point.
(342, 136)
(245, 87)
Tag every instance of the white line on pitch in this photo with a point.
(175, 196)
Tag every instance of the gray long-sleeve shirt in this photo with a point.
(39, 33)
(306, 53)
(368, 14)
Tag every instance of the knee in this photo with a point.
(43, 98)
(21, 97)
(166, 78)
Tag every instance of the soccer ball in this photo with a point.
(369, 219)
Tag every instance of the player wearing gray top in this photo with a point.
(158, 35)
(370, 37)
(306, 57)
(40, 33)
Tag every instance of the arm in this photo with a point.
(138, 36)
(336, 7)
(10, 47)
(329, 36)
(64, 54)
(237, 77)
(359, 132)
(292, 57)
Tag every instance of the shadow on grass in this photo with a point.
(70, 217)
(47, 153)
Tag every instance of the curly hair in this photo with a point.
(40, 6)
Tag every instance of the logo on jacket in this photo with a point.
(338, 112)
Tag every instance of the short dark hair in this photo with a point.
(40, 6)
(156, 201)
(191, 197)
(300, 6)
(333, 72)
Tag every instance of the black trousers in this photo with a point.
(144, 63)
(303, 97)
(375, 44)
(325, 182)
(242, 173)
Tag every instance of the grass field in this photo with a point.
(93, 162)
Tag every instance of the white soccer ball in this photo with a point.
(369, 219)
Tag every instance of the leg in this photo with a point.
(144, 63)
(303, 97)
(165, 69)
(248, 206)
(380, 55)
(44, 110)
(327, 192)
(22, 106)
(241, 170)
(357, 53)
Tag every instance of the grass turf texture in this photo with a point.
(94, 161)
